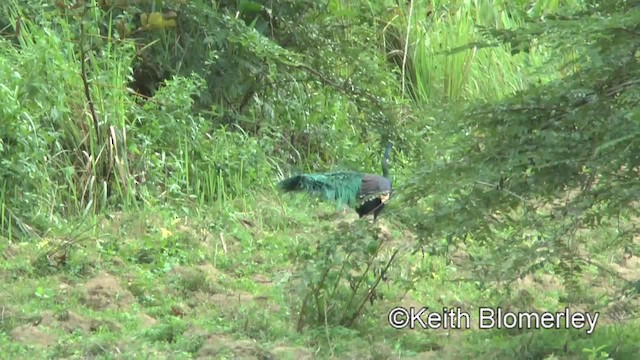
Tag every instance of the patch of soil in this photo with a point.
(219, 242)
(537, 284)
(110, 325)
(204, 278)
(104, 291)
(147, 321)
(291, 353)
(64, 288)
(209, 270)
(262, 279)
(218, 344)
(116, 261)
(460, 258)
(195, 331)
(46, 318)
(113, 223)
(229, 303)
(32, 335)
(379, 351)
(428, 355)
(629, 268)
(382, 351)
(385, 234)
(10, 251)
(70, 322)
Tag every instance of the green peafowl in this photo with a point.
(366, 192)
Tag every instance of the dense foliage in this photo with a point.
(528, 173)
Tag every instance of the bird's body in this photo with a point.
(374, 193)
(368, 193)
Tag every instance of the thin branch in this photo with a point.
(406, 48)
(505, 190)
(85, 81)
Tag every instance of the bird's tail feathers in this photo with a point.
(291, 184)
(338, 186)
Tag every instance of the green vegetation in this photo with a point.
(141, 142)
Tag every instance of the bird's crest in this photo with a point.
(385, 162)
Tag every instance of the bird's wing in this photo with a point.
(373, 186)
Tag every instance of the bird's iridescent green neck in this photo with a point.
(385, 162)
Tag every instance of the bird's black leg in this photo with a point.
(377, 211)
(373, 206)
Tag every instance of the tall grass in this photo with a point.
(449, 59)
(56, 162)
